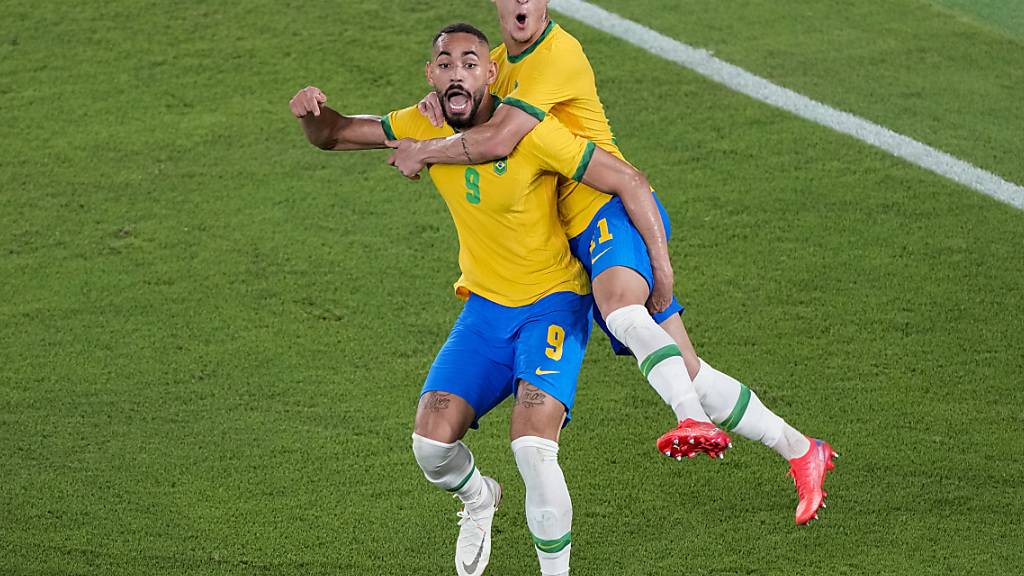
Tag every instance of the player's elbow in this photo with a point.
(636, 183)
(503, 147)
(323, 141)
(495, 148)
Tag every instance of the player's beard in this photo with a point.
(463, 120)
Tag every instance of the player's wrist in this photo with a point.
(430, 151)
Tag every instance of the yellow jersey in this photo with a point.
(553, 77)
(512, 249)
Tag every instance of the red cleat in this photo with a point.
(808, 472)
(691, 437)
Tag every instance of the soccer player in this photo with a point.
(526, 321)
(542, 72)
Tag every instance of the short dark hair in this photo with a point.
(462, 28)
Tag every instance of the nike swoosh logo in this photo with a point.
(540, 372)
(599, 254)
(471, 568)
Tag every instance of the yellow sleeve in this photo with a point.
(556, 149)
(548, 80)
(404, 123)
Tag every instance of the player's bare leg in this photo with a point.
(442, 419)
(620, 294)
(536, 423)
(736, 408)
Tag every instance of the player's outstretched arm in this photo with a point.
(329, 130)
(495, 139)
(611, 175)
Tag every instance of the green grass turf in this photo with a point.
(1005, 15)
(920, 70)
(212, 335)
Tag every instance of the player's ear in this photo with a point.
(492, 72)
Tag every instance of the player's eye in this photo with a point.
(470, 65)
(444, 65)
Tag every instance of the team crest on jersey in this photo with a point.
(501, 166)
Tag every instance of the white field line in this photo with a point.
(739, 80)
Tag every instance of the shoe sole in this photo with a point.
(690, 446)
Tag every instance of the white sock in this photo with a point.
(548, 506)
(659, 359)
(736, 408)
(450, 467)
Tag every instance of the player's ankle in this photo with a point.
(688, 407)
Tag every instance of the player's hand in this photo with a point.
(430, 106)
(664, 286)
(306, 101)
(406, 157)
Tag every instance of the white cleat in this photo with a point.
(473, 550)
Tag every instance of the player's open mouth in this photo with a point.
(457, 101)
(521, 20)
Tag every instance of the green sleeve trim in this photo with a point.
(472, 468)
(385, 122)
(738, 410)
(528, 51)
(581, 168)
(657, 357)
(553, 546)
(526, 107)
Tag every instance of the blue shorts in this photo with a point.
(612, 240)
(492, 347)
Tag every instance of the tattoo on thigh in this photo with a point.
(439, 401)
(531, 396)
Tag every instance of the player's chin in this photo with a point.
(457, 121)
(521, 34)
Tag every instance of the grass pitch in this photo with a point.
(212, 335)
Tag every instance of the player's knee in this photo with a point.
(443, 417)
(442, 463)
(627, 319)
(618, 287)
(547, 428)
(536, 414)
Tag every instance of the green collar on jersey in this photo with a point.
(514, 59)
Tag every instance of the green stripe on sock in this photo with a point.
(472, 468)
(553, 546)
(738, 410)
(657, 356)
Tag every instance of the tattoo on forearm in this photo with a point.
(438, 402)
(531, 396)
(465, 149)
